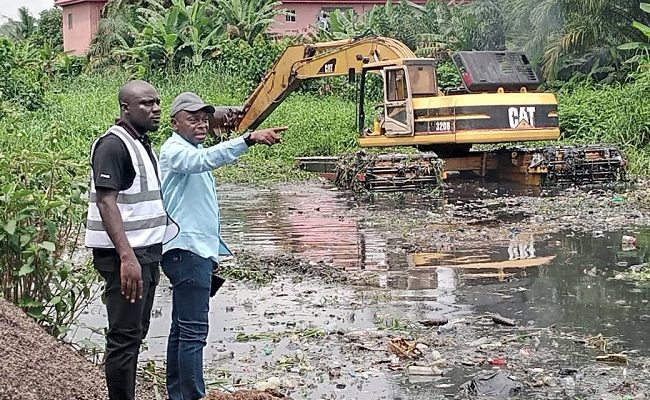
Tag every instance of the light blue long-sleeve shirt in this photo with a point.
(190, 195)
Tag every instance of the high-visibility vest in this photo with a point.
(145, 221)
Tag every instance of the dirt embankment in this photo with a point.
(35, 366)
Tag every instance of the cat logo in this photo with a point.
(521, 117)
(328, 67)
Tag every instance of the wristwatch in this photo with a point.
(247, 139)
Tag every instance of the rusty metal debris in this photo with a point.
(574, 165)
(389, 172)
(598, 342)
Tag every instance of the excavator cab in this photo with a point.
(408, 79)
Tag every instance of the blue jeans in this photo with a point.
(190, 276)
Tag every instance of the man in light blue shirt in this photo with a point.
(190, 198)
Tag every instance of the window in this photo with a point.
(423, 80)
(69, 21)
(290, 16)
(397, 90)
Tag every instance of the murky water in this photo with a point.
(565, 278)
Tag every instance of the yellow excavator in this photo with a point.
(497, 103)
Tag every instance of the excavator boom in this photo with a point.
(307, 61)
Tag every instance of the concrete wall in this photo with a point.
(78, 32)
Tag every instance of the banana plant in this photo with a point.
(248, 19)
(642, 49)
(169, 36)
(203, 27)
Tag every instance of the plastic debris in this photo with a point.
(488, 383)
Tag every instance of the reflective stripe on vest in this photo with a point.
(141, 207)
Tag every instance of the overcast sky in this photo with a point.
(10, 7)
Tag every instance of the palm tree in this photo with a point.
(114, 30)
(21, 28)
(488, 31)
(554, 31)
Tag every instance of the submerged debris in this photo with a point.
(263, 269)
(496, 384)
(435, 322)
(424, 370)
(613, 358)
(403, 348)
(498, 319)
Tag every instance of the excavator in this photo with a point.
(498, 103)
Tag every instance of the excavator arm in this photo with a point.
(306, 61)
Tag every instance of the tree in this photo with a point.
(248, 19)
(50, 27)
(571, 34)
(166, 37)
(114, 31)
(487, 28)
(21, 28)
(444, 27)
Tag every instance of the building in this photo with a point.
(80, 20)
(303, 16)
(81, 17)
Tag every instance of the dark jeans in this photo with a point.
(128, 324)
(190, 276)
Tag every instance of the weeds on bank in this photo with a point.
(277, 335)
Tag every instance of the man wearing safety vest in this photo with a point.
(126, 228)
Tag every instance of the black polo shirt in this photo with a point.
(113, 169)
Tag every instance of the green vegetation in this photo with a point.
(642, 276)
(616, 113)
(52, 105)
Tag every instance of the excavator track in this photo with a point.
(575, 165)
(548, 167)
(390, 172)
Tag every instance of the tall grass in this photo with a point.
(616, 114)
(81, 110)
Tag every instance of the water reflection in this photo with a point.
(519, 249)
(310, 221)
(565, 279)
(578, 289)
